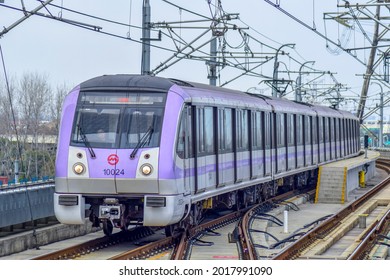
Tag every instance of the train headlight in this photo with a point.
(79, 168)
(146, 169)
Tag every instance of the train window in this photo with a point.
(320, 130)
(96, 126)
(205, 130)
(221, 130)
(118, 119)
(299, 130)
(245, 129)
(267, 130)
(280, 130)
(141, 124)
(209, 129)
(228, 129)
(242, 129)
(122, 98)
(347, 136)
(225, 130)
(184, 141)
(257, 129)
(313, 121)
(290, 129)
(308, 130)
(200, 131)
(326, 129)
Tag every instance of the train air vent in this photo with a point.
(68, 200)
(156, 201)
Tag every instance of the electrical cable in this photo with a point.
(90, 28)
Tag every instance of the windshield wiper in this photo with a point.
(86, 142)
(145, 139)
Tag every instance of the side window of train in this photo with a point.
(320, 130)
(290, 130)
(257, 135)
(225, 130)
(300, 132)
(184, 135)
(326, 129)
(307, 130)
(280, 130)
(205, 129)
(242, 129)
(209, 129)
(199, 130)
(314, 133)
(267, 130)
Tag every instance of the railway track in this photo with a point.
(91, 247)
(317, 242)
(146, 245)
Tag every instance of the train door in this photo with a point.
(342, 135)
(291, 144)
(321, 151)
(340, 127)
(257, 145)
(308, 146)
(184, 150)
(326, 139)
(337, 138)
(225, 147)
(300, 152)
(242, 145)
(331, 139)
(205, 149)
(314, 135)
(268, 130)
(347, 137)
(281, 150)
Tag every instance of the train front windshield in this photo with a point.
(118, 120)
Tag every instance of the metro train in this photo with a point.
(143, 150)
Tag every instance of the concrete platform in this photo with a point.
(304, 216)
(10, 246)
(337, 179)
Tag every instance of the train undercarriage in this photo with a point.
(122, 212)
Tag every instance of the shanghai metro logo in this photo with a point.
(113, 159)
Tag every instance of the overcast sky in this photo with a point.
(71, 54)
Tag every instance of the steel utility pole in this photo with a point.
(298, 91)
(275, 81)
(146, 16)
(380, 144)
(213, 62)
(370, 69)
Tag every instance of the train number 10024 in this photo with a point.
(113, 171)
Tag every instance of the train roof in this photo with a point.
(202, 93)
(127, 81)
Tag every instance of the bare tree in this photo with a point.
(34, 96)
(8, 147)
(56, 105)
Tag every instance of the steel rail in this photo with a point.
(379, 227)
(95, 244)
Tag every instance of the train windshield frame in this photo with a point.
(118, 120)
